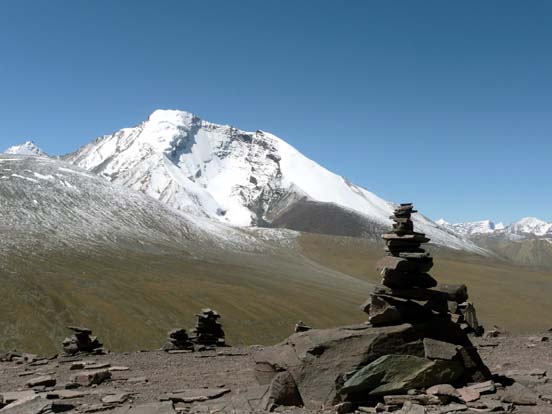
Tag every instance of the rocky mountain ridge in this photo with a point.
(238, 177)
(527, 227)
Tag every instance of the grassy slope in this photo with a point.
(514, 297)
(132, 299)
(531, 252)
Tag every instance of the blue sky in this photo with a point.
(446, 104)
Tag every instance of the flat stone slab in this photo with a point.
(11, 396)
(64, 394)
(519, 394)
(118, 369)
(116, 398)
(88, 378)
(44, 381)
(193, 395)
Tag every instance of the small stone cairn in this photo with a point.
(178, 340)
(82, 341)
(301, 327)
(208, 331)
(406, 282)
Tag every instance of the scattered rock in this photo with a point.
(410, 408)
(421, 399)
(77, 366)
(88, 378)
(452, 408)
(43, 381)
(193, 395)
(97, 366)
(116, 398)
(9, 397)
(489, 405)
(95, 408)
(343, 408)
(446, 390)
(519, 394)
(486, 387)
(468, 394)
(493, 333)
(118, 369)
(32, 404)
(283, 392)
(64, 394)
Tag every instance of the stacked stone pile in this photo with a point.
(408, 293)
(178, 340)
(301, 327)
(410, 344)
(82, 341)
(208, 331)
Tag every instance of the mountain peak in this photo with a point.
(239, 177)
(27, 148)
(531, 225)
(173, 116)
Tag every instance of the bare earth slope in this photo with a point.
(75, 249)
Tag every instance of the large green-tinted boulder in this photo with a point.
(320, 359)
(396, 374)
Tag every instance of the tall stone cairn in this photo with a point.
(407, 292)
(208, 331)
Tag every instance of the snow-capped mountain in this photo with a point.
(28, 148)
(470, 228)
(525, 227)
(53, 203)
(531, 225)
(237, 177)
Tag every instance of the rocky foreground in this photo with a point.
(224, 381)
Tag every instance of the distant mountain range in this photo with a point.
(255, 179)
(528, 227)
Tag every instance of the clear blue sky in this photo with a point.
(444, 103)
